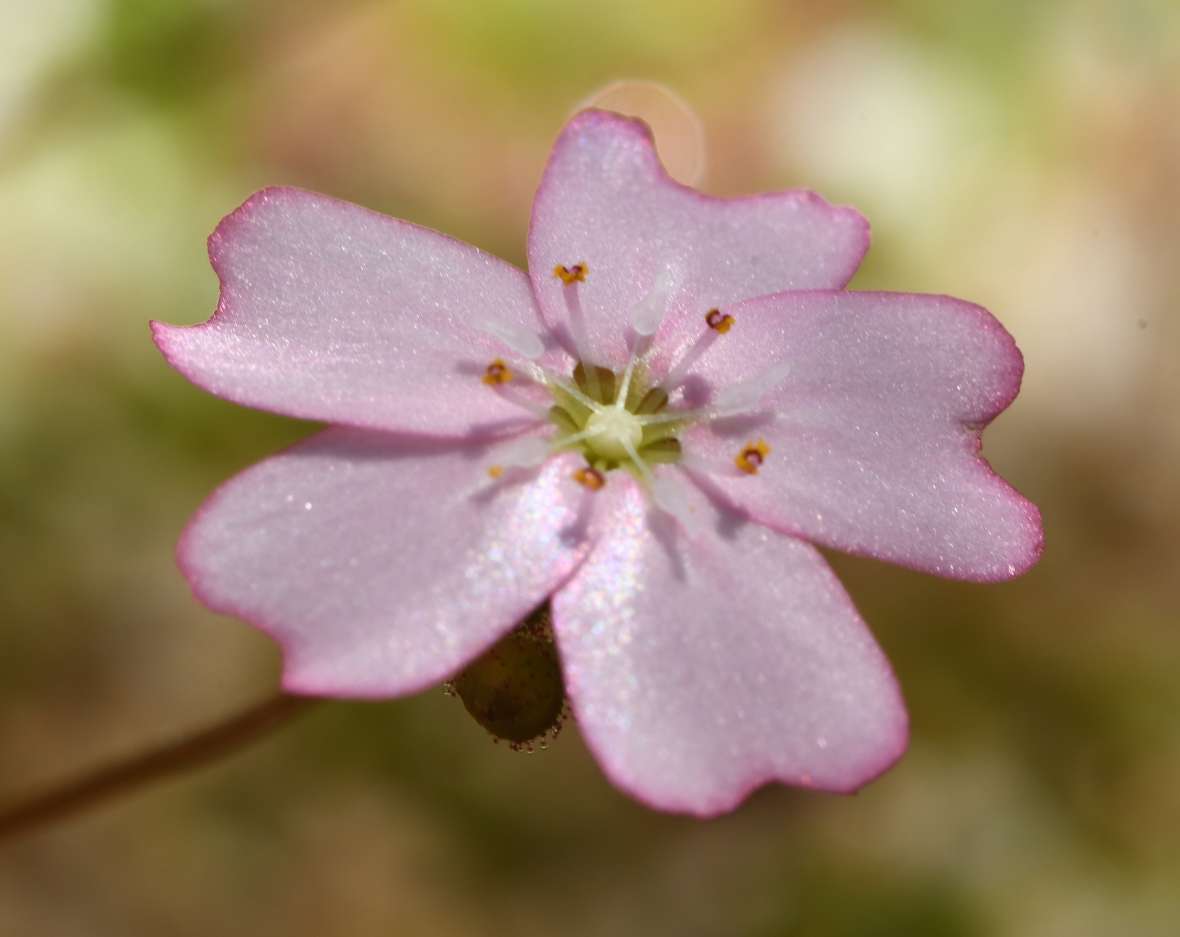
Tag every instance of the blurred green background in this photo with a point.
(1021, 155)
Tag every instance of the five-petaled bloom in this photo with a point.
(649, 430)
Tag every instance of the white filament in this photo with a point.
(576, 324)
(649, 312)
(667, 492)
(514, 396)
(589, 433)
(746, 394)
(730, 401)
(541, 376)
(625, 384)
(691, 356)
(524, 342)
(523, 453)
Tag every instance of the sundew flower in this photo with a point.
(648, 432)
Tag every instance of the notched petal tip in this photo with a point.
(593, 118)
(245, 214)
(801, 695)
(176, 344)
(1027, 546)
(328, 311)
(860, 235)
(161, 334)
(727, 800)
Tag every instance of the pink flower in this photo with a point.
(743, 406)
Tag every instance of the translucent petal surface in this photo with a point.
(700, 667)
(333, 312)
(606, 201)
(381, 565)
(874, 431)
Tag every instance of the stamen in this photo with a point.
(514, 395)
(500, 378)
(540, 375)
(673, 416)
(649, 312)
(750, 459)
(497, 373)
(746, 394)
(524, 342)
(570, 278)
(633, 455)
(668, 494)
(527, 453)
(592, 480)
(719, 321)
(523, 453)
(569, 275)
(589, 478)
(625, 384)
(588, 433)
(717, 324)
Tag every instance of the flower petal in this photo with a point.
(874, 432)
(332, 312)
(701, 666)
(381, 564)
(606, 201)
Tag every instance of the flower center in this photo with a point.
(605, 416)
(613, 432)
(618, 419)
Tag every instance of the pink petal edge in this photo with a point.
(545, 560)
(600, 655)
(996, 366)
(332, 312)
(713, 278)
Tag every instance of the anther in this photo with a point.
(750, 459)
(570, 275)
(719, 321)
(590, 478)
(495, 471)
(497, 373)
(717, 324)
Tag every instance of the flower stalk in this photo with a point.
(120, 777)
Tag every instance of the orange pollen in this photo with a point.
(497, 373)
(590, 478)
(570, 275)
(719, 321)
(750, 459)
(495, 471)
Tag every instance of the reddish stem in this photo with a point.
(194, 751)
